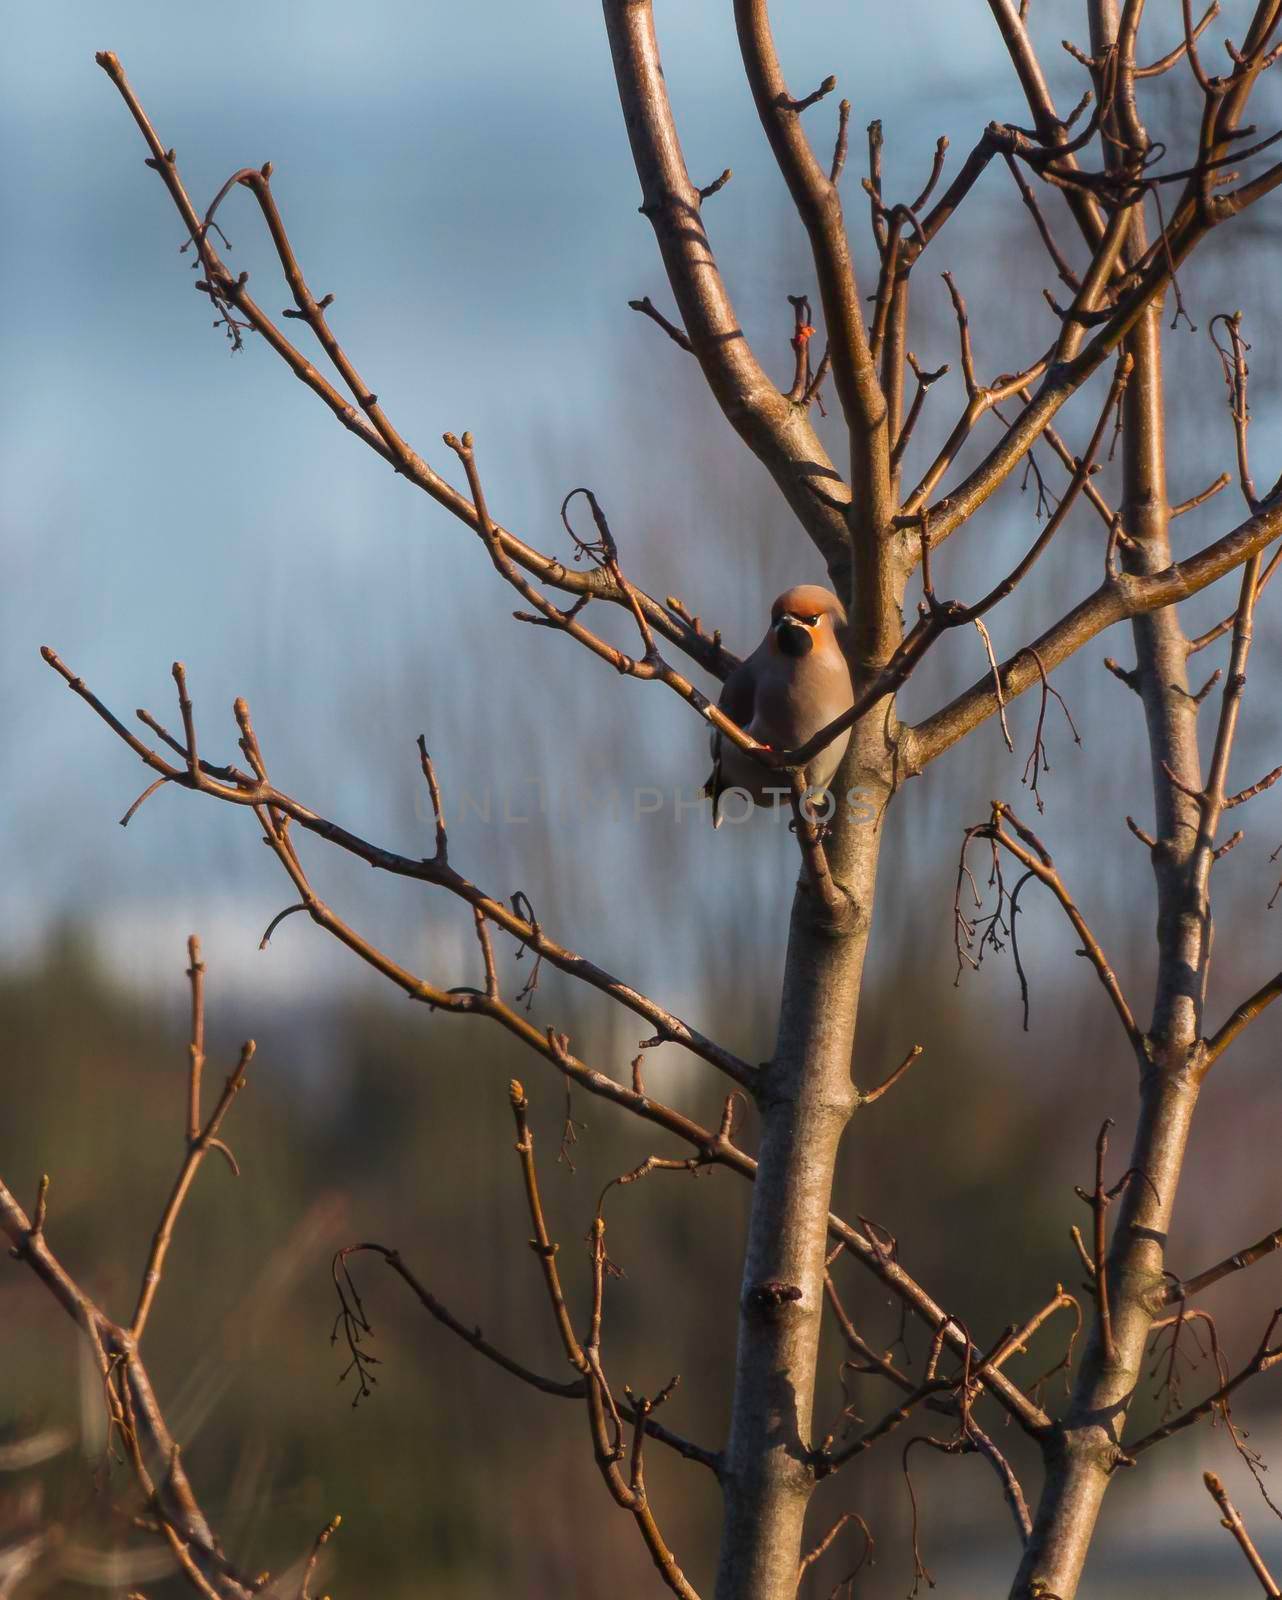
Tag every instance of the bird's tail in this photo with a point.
(712, 791)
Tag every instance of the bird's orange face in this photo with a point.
(802, 618)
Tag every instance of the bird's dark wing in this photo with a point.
(737, 700)
(738, 693)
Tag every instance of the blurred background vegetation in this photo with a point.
(472, 205)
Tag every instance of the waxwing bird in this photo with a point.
(792, 685)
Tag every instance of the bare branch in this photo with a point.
(572, 1389)
(1099, 1200)
(1033, 855)
(366, 419)
(889, 1083)
(1065, 272)
(1126, 595)
(603, 1415)
(132, 1410)
(1242, 1017)
(1196, 500)
(1164, 63)
(1011, 1489)
(1240, 1259)
(199, 1141)
(819, 206)
(811, 1556)
(322, 1539)
(263, 797)
(779, 434)
(648, 308)
(1233, 1522)
(1222, 627)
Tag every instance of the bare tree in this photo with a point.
(1137, 208)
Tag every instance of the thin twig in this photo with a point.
(888, 1083)
(1231, 1519)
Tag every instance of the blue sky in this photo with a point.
(460, 179)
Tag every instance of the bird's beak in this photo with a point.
(793, 639)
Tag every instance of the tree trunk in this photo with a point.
(806, 1099)
(1088, 1446)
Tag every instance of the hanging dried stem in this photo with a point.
(1004, 830)
(1266, 1356)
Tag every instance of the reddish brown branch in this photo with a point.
(825, 1544)
(778, 433)
(647, 308)
(889, 1083)
(810, 835)
(1242, 1017)
(322, 1539)
(1099, 1200)
(1212, 489)
(651, 666)
(1120, 596)
(1025, 847)
(818, 204)
(1231, 1519)
(572, 1389)
(1225, 624)
(1239, 1260)
(1062, 268)
(1236, 375)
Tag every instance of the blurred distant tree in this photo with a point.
(1134, 209)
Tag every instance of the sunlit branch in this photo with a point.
(366, 418)
(275, 811)
(1119, 597)
(258, 794)
(819, 206)
(1240, 1259)
(1242, 1017)
(778, 433)
(1232, 1521)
